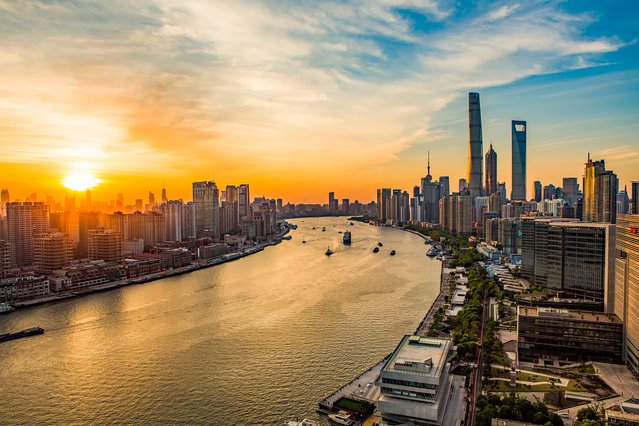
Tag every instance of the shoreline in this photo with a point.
(229, 257)
(325, 405)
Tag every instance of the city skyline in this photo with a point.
(354, 101)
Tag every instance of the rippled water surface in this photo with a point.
(254, 341)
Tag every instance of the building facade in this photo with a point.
(518, 160)
(475, 150)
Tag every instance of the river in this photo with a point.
(258, 340)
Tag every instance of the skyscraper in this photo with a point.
(51, 252)
(463, 185)
(475, 150)
(623, 202)
(444, 186)
(430, 196)
(635, 197)
(491, 171)
(243, 202)
(519, 160)
(600, 192)
(537, 185)
(571, 190)
(206, 200)
(164, 198)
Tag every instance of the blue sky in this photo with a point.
(303, 97)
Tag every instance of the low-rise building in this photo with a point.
(211, 251)
(564, 335)
(415, 382)
(624, 414)
(23, 288)
(175, 258)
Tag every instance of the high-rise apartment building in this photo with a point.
(491, 171)
(105, 244)
(600, 193)
(518, 160)
(456, 213)
(627, 286)
(52, 252)
(86, 222)
(475, 150)
(173, 215)
(5, 262)
(384, 204)
(549, 192)
(206, 200)
(24, 222)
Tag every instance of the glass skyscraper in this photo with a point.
(519, 160)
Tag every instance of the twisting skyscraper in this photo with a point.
(519, 160)
(491, 171)
(475, 150)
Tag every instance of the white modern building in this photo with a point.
(415, 382)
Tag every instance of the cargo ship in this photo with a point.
(20, 334)
(347, 237)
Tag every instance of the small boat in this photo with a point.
(5, 307)
(376, 250)
(328, 251)
(324, 229)
(347, 238)
(341, 418)
(305, 422)
(339, 232)
(313, 228)
(21, 334)
(393, 252)
(380, 244)
(352, 223)
(303, 241)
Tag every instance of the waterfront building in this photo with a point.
(23, 287)
(569, 336)
(51, 252)
(211, 251)
(623, 202)
(346, 206)
(627, 286)
(456, 213)
(518, 160)
(444, 186)
(600, 193)
(332, 202)
(207, 215)
(573, 257)
(175, 258)
(475, 150)
(105, 244)
(228, 217)
(538, 190)
(415, 382)
(24, 222)
(491, 171)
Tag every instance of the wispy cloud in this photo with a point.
(302, 85)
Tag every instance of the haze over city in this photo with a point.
(299, 98)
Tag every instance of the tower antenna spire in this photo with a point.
(429, 162)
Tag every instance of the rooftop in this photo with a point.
(419, 355)
(534, 311)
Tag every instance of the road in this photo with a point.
(476, 375)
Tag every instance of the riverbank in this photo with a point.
(229, 257)
(363, 386)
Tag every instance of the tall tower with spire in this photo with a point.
(475, 150)
(431, 194)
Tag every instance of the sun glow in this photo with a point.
(80, 180)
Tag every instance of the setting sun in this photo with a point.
(80, 180)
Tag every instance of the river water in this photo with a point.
(256, 341)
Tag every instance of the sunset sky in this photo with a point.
(299, 98)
